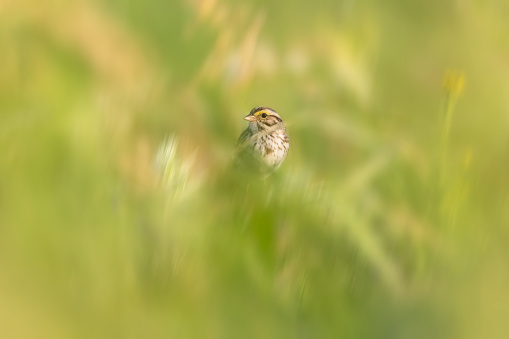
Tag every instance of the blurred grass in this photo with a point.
(120, 216)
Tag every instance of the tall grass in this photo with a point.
(120, 213)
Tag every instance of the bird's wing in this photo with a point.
(244, 136)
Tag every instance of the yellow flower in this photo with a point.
(454, 82)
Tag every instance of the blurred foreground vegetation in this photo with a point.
(120, 215)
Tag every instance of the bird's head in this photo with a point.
(261, 118)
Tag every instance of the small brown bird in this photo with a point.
(264, 143)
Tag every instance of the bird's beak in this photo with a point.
(250, 117)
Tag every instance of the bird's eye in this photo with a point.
(264, 115)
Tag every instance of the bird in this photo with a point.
(264, 144)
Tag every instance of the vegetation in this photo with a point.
(121, 216)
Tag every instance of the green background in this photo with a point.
(120, 214)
